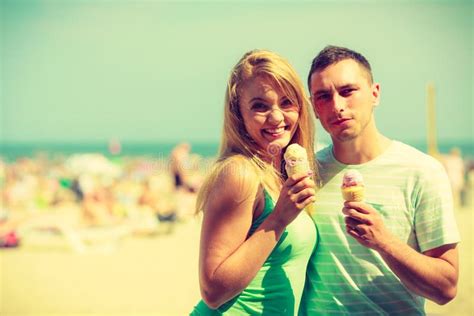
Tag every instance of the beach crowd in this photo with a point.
(83, 193)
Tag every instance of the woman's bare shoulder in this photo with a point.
(237, 178)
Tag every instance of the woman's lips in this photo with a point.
(275, 132)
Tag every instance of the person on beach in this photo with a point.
(385, 254)
(454, 165)
(255, 239)
(180, 165)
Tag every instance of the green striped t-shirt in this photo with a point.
(411, 191)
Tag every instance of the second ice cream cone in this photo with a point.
(353, 193)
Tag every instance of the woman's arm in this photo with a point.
(228, 260)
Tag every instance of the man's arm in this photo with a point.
(432, 274)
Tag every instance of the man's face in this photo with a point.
(344, 98)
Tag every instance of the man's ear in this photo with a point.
(312, 106)
(376, 93)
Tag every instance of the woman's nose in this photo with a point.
(275, 116)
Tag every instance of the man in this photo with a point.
(386, 254)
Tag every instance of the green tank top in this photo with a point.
(278, 286)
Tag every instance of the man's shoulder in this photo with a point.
(324, 155)
(409, 155)
(400, 151)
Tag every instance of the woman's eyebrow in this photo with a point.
(257, 99)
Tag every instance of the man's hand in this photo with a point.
(432, 274)
(366, 225)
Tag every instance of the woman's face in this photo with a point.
(269, 116)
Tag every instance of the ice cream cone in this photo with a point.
(353, 189)
(296, 161)
(353, 194)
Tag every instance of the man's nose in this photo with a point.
(339, 103)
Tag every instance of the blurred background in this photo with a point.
(111, 114)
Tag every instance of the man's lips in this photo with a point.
(340, 121)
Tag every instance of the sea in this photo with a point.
(11, 151)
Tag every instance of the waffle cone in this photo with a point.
(300, 167)
(353, 193)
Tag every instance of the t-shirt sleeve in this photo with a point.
(435, 223)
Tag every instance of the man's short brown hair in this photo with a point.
(333, 54)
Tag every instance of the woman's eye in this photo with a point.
(286, 103)
(259, 107)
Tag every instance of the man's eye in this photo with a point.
(347, 92)
(322, 97)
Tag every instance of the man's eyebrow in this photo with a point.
(349, 85)
(321, 91)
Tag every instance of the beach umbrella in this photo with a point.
(92, 164)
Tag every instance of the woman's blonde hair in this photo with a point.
(235, 140)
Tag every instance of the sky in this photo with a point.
(155, 71)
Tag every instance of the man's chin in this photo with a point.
(345, 137)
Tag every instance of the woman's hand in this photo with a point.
(297, 192)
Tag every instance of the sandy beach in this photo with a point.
(140, 276)
(135, 276)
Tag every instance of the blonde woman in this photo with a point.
(255, 239)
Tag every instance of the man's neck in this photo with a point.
(361, 149)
